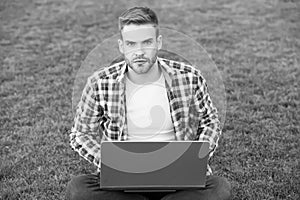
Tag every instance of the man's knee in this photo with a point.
(226, 189)
(222, 187)
(76, 187)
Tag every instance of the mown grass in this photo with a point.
(254, 44)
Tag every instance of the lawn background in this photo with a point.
(255, 45)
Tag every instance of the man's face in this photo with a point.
(139, 45)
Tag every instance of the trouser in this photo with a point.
(87, 187)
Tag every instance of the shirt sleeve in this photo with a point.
(209, 124)
(87, 126)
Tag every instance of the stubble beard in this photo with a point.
(150, 62)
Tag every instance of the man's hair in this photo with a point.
(138, 16)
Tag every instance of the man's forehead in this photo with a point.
(134, 32)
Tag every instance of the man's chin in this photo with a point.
(141, 71)
(140, 68)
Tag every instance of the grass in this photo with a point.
(255, 45)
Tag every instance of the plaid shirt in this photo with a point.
(102, 108)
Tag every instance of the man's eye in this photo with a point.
(130, 44)
(148, 42)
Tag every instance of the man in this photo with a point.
(119, 100)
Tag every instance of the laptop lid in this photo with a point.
(173, 165)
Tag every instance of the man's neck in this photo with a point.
(151, 76)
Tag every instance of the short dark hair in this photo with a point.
(138, 16)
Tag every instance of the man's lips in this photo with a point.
(140, 60)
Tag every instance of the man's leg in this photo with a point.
(217, 188)
(87, 187)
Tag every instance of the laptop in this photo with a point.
(153, 166)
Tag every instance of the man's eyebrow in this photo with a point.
(149, 39)
(128, 41)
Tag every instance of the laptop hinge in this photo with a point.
(153, 190)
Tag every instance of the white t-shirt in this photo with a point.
(148, 112)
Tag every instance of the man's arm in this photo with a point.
(209, 124)
(86, 126)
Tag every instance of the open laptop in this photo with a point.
(153, 166)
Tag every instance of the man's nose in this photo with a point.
(139, 50)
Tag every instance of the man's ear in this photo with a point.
(121, 49)
(159, 42)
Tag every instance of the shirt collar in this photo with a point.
(122, 72)
(166, 70)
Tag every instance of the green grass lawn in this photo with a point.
(255, 45)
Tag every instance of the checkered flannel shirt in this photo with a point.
(101, 111)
